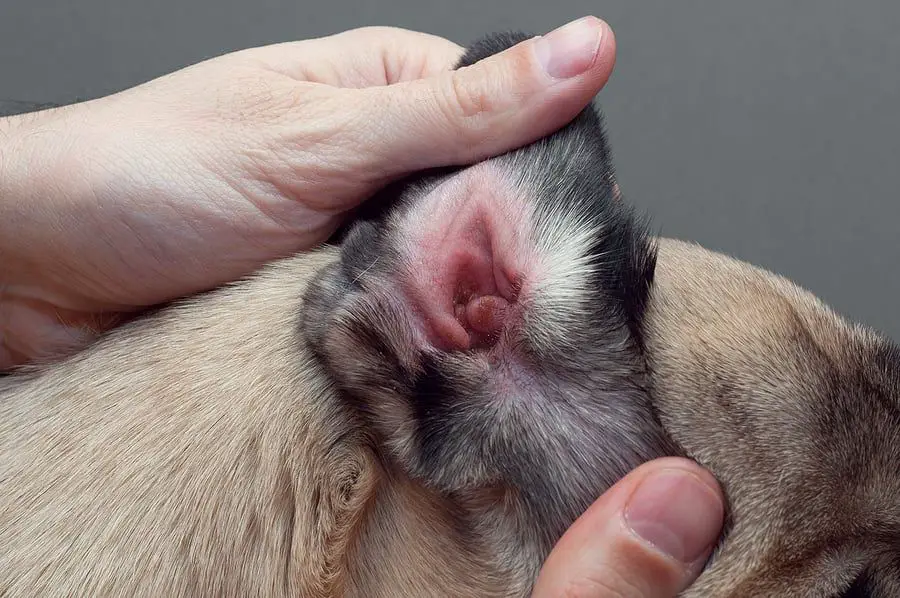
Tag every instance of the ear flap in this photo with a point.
(490, 45)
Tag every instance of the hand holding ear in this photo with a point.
(649, 536)
(200, 177)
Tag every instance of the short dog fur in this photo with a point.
(423, 409)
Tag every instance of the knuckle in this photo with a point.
(520, 61)
(468, 99)
(582, 588)
(601, 583)
(478, 95)
(466, 108)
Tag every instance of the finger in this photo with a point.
(363, 57)
(647, 537)
(503, 102)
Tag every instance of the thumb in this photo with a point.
(648, 537)
(505, 101)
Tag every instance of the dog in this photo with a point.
(424, 406)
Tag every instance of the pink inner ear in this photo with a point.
(463, 276)
(486, 314)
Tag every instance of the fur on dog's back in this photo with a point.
(172, 456)
(212, 457)
(202, 453)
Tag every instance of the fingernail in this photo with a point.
(676, 512)
(571, 49)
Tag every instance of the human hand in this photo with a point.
(649, 536)
(202, 176)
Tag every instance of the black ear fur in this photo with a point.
(628, 235)
(630, 238)
(376, 207)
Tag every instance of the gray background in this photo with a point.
(767, 129)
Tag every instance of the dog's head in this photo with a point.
(796, 411)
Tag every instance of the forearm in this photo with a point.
(38, 195)
(12, 195)
(37, 174)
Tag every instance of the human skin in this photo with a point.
(201, 176)
(647, 537)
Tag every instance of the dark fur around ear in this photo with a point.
(375, 208)
(628, 237)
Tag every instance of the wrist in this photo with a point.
(36, 153)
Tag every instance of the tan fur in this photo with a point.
(210, 458)
(743, 364)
